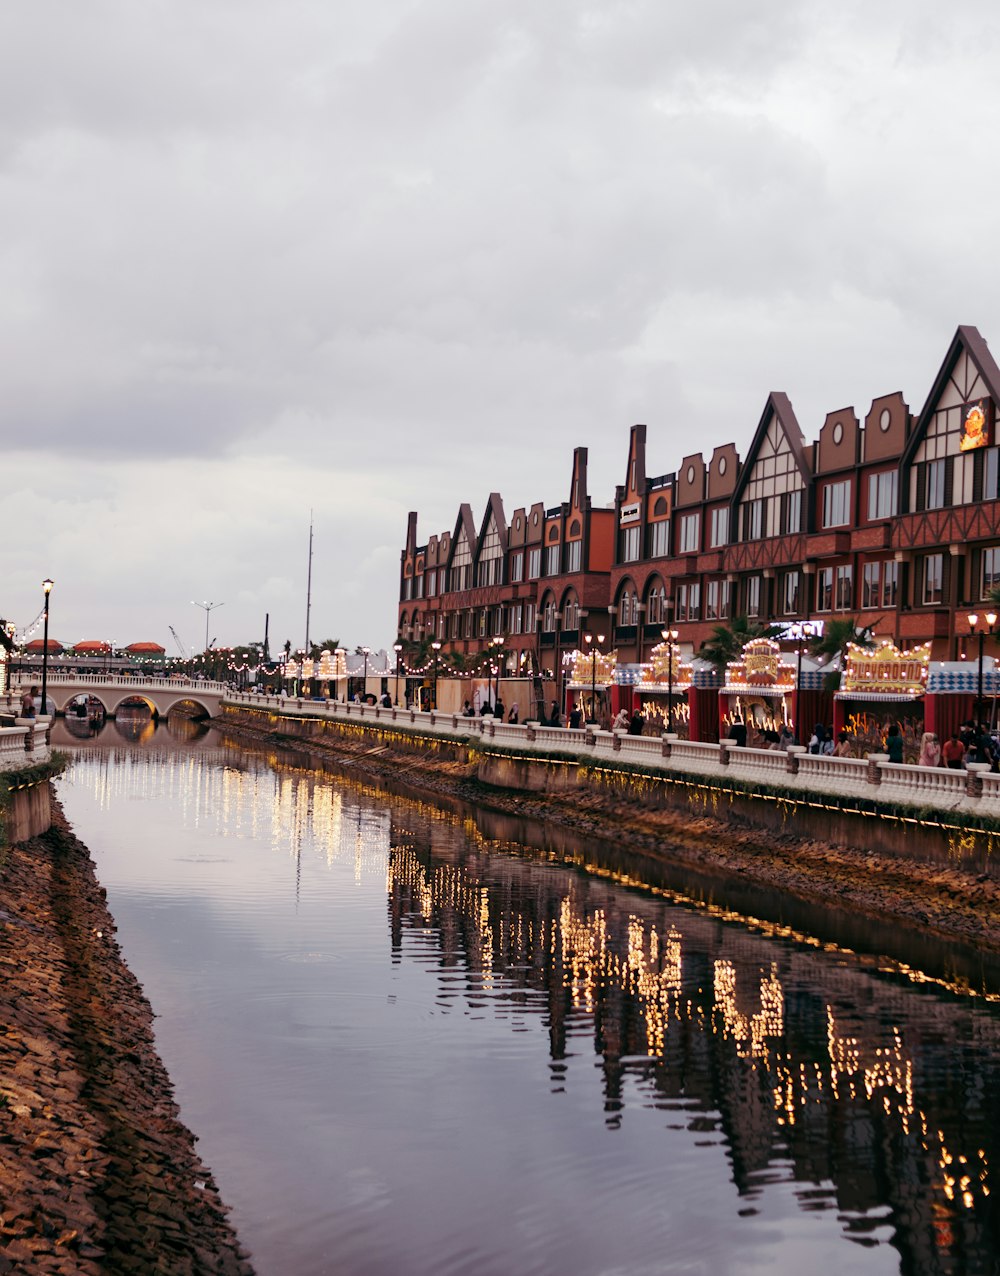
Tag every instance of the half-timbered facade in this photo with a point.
(893, 519)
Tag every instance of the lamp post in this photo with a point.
(398, 649)
(207, 608)
(366, 652)
(980, 632)
(589, 638)
(437, 647)
(805, 633)
(670, 636)
(498, 643)
(47, 589)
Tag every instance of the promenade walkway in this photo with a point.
(975, 790)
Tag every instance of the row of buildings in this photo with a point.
(893, 520)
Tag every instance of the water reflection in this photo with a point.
(867, 1091)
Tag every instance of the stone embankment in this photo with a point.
(97, 1174)
(944, 894)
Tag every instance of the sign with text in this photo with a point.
(886, 669)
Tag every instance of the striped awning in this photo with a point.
(872, 697)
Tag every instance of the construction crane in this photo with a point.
(180, 645)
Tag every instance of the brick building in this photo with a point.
(893, 520)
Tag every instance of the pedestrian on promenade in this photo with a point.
(555, 717)
(930, 750)
(894, 743)
(842, 749)
(738, 733)
(953, 752)
(575, 717)
(498, 710)
(28, 703)
(786, 736)
(621, 721)
(514, 716)
(636, 724)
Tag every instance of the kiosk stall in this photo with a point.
(879, 687)
(759, 691)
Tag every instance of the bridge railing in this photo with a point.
(136, 681)
(791, 769)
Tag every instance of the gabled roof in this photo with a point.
(970, 340)
(778, 405)
(494, 506)
(463, 522)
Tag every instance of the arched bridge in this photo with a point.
(161, 694)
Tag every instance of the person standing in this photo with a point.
(894, 744)
(28, 703)
(953, 752)
(930, 750)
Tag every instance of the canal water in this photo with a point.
(413, 1040)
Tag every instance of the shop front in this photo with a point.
(662, 691)
(591, 685)
(882, 687)
(759, 691)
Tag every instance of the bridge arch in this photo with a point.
(162, 695)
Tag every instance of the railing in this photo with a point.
(792, 770)
(54, 679)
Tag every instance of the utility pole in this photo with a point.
(309, 581)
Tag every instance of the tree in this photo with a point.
(833, 642)
(727, 641)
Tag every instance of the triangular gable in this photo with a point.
(464, 533)
(778, 411)
(494, 515)
(635, 471)
(980, 377)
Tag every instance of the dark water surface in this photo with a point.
(409, 1043)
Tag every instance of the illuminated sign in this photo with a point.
(760, 666)
(592, 668)
(886, 669)
(658, 672)
(977, 425)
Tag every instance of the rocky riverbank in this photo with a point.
(943, 900)
(97, 1173)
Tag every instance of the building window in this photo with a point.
(791, 518)
(870, 585)
(534, 563)
(720, 527)
(574, 556)
(659, 539)
(790, 591)
(687, 604)
(656, 606)
(882, 493)
(571, 614)
(837, 504)
(430, 583)
(990, 469)
(717, 600)
(934, 485)
(549, 616)
(753, 520)
(627, 610)
(989, 575)
(484, 616)
(890, 583)
(630, 544)
(689, 534)
(932, 579)
(824, 589)
(552, 560)
(517, 567)
(753, 596)
(529, 617)
(845, 588)
(515, 618)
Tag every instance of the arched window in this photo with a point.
(570, 612)
(656, 603)
(549, 614)
(627, 605)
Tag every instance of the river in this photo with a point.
(413, 1040)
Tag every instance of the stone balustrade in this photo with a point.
(793, 769)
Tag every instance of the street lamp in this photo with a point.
(398, 649)
(47, 589)
(366, 652)
(589, 638)
(498, 643)
(805, 633)
(980, 632)
(437, 647)
(670, 636)
(207, 608)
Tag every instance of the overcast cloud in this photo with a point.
(364, 258)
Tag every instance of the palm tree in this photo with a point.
(833, 642)
(727, 641)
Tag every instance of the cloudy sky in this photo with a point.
(362, 258)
